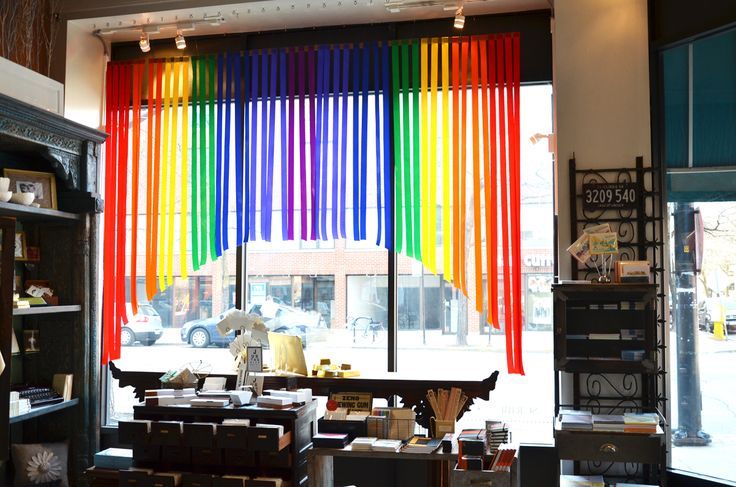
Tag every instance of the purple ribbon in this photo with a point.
(302, 142)
(284, 150)
(335, 140)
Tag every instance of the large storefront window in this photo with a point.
(334, 295)
(700, 156)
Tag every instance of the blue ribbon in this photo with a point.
(387, 147)
(335, 139)
(237, 68)
(267, 212)
(284, 150)
(364, 143)
(377, 109)
(253, 172)
(356, 143)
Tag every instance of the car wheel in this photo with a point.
(149, 342)
(127, 337)
(199, 338)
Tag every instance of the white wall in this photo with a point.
(601, 63)
(84, 80)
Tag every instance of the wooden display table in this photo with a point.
(321, 472)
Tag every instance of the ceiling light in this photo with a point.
(144, 42)
(459, 19)
(181, 43)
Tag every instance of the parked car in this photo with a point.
(144, 326)
(288, 320)
(711, 310)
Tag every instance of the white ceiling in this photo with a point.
(255, 16)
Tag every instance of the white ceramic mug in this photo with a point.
(4, 184)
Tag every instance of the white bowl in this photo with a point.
(4, 185)
(23, 198)
(5, 196)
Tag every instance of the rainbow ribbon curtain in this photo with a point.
(296, 143)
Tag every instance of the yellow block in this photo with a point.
(719, 330)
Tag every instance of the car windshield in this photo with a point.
(147, 310)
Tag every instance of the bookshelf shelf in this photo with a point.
(45, 310)
(30, 213)
(43, 410)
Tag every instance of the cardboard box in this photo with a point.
(166, 433)
(199, 435)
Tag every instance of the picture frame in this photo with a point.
(42, 184)
(33, 254)
(255, 359)
(21, 252)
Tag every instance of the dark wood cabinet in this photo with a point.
(257, 451)
(606, 349)
(36, 140)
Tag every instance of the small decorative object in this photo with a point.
(178, 379)
(43, 467)
(41, 184)
(24, 199)
(30, 341)
(4, 193)
(253, 334)
(20, 246)
(40, 464)
(596, 240)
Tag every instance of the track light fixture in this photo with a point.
(181, 43)
(144, 42)
(459, 19)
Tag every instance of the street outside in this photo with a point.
(526, 403)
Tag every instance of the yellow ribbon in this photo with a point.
(424, 163)
(446, 173)
(172, 175)
(164, 192)
(184, 207)
(432, 186)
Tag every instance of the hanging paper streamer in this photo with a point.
(321, 138)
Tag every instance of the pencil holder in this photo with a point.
(439, 427)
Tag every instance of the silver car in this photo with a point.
(144, 327)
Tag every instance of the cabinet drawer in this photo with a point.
(134, 432)
(179, 455)
(280, 459)
(608, 448)
(206, 456)
(267, 439)
(238, 457)
(232, 436)
(199, 434)
(166, 433)
(196, 480)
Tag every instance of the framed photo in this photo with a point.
(30, 341)
(33, 254)
(20, 246)
(41, 184)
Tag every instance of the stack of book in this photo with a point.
(576, 420)
(641, 423)
(582, 481)
(632, 334)
(421, 444)
(502, 459)
(387, 445)
(613, 423)
(170, 397)
(18, 405)
(363, 443)
(497, 433)
(330, 440)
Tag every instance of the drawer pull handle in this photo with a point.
(608, 448)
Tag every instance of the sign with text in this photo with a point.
(353, 401)
(606, 196)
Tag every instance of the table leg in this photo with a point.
(321, 473)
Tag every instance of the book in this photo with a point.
(330, 440)
(604, 336)
(62, 384)
(387, 445)
(576, 422)
(114, 459)
(645, 423)
(582, 481)
(421, 444)
(363, 443)
(608, 422)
